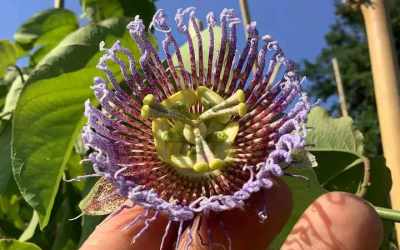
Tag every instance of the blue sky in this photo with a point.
(299, 26)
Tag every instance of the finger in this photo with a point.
(336, 220)
(114, 234)
(242, 227)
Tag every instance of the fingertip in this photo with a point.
(337, 220)
(119, 231)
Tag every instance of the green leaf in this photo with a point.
(45, 30)
(97, 10)
(102, 199)
(52, 104)
(5, 82)
(381, 183)
(6, 244)
(338, 148)
(12, 98)
(67, 232)
(89, 223)
(333, 134)
(54, 112)
(75, 168)
(9, 53)
(303, 193)
(378, 193)
(81, 48)
(45, 27)
(5, 156)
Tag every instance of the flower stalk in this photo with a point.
(388, 214)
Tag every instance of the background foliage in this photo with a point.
(42, 115)
(346, 41)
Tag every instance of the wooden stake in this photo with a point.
(386, 85)
(340, 89)
(59, 4)
(244, 9)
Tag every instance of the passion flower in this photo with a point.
(185, 138)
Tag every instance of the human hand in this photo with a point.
(334, 221)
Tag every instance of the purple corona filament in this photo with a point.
(270, 136)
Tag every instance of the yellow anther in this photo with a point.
(238, 97)
(149, 99)
(201, 167)
(145, 111)
(216, 164)
(240, 109)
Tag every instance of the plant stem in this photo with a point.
(339, 85)
(388, 214)
(59, 4)
(386, 86)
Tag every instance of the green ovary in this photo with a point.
(192, 142)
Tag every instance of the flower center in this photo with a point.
(193, 130)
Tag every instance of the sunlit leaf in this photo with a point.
(97, 10)
(9, 52)
(52, 104)
(45, 27)
(329, 133)
(12, 97)
(54, 114)
(338, 147)
(81, 48)
(45, 30)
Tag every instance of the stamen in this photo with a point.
(164, 237)
(139, 218)
(238, 97)
(151, 109)
(147, 223)
(80, 178)
(239, 110)
(179, 234)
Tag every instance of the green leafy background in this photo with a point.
(41, 112)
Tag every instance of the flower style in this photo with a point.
(186, 138)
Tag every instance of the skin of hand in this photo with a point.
(334, 221)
